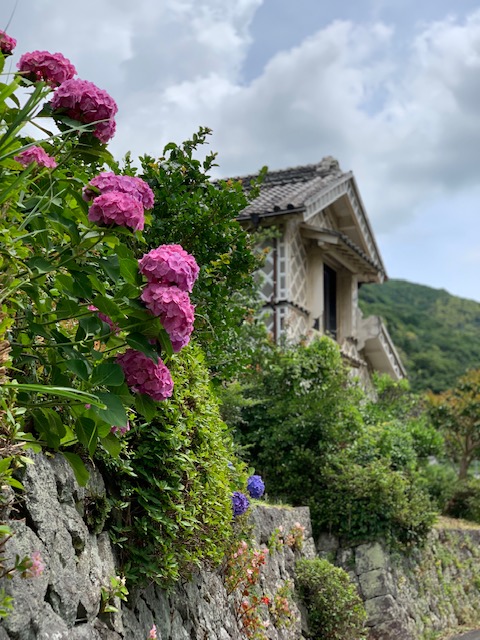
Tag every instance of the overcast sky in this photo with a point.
(391, 88)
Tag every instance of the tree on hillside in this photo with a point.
(456, 412)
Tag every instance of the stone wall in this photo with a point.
(410, 597)
(64, 602)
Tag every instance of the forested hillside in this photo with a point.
(437, 334)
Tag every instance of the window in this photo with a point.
(330, 301)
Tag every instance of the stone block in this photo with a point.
(377, 582)
(369, 557)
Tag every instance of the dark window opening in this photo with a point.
(330, 300)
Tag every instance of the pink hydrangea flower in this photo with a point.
(144, 376)
(37, 567)
(85, 102)
(108, 181)
(104, 318)
(173, 307)
(38, 155)
(117, 208)
(7, 43)
(53, 68)
(152, 634)
(170, 264)
(121, 430)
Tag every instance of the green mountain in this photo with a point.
(436, 334)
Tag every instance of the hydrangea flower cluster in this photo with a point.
(173, 307)
(170, 264)
(83, 101)
(37, 566)
(7, 43)
(144, 376)
(38, 155)
(119, 208)
(53, 68)
(240, 503)
(108, 181)
(255, 486)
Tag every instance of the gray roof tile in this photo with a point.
(289, 189)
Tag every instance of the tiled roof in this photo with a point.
(289, 189)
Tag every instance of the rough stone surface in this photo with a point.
(411, 597)
(406, 597)
(64, 602)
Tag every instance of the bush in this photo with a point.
(175, 490)
(465, 501)
(372, 502)
(334, 608)
(439, 481)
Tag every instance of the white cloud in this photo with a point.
(404, 118)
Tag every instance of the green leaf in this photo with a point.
(112, 444)
(78, 367)
(108, 307)
(81, 474)
(129, 271)
(108, 374)
(87, 433)
(114, 414)
(146, 406)
(166, 343)
(49, 424)
(91, 325)
(39, 264)
(111, 266)
(141, 343)
(62, 392)
(5, 464)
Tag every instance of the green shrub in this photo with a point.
(175, 489)
(465, 501)
(439, 481)
(371, 502)
(334, 608)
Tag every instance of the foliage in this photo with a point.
(465, 501)
(115, 589)
(301, 411)
(439, 481)
(201, 215)
(456, 413)
(371, 502)
(435, 333)
(173, 490)
(334, 608)
(317, 440)
(253, 607)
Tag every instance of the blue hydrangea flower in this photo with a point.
(255, 486)
(240, 503)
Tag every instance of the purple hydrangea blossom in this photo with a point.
(255, 486)
(173, 307)
(117, 208)
(240, 503)
(170, 264)
(53, 68)
(144, 376)
(83, 101)
(109, 181)
(7, 43)
(38, 155)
